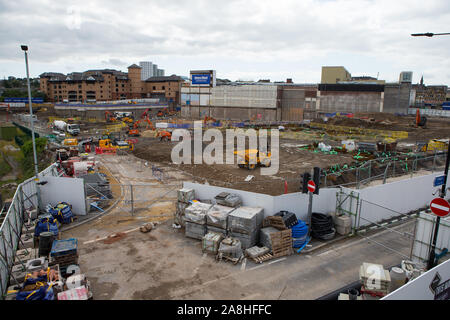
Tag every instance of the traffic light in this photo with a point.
(316, 179)
(304, 182)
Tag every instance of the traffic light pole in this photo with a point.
(310, 212)
(438, 219)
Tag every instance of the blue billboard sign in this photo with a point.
(23, 100)
(201, 79)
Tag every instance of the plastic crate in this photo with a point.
(64, 247)
(289, 218)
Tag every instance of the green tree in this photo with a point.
(28, 157)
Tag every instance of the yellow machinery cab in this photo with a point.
(250, 158)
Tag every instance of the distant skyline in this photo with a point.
(247, 40)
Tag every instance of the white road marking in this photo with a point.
(244, 263)
(275, 261)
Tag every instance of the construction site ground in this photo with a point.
(292, 158)
(123, 263)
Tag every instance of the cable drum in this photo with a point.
(322, 226)
(299, 234)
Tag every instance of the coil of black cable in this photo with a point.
(322, 226)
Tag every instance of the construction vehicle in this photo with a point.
(70, 142)
(209, 119)
(420, 121)
(250, 158)
(164, 135)
(124, 116)
(115, 144)
(109, 117)
(134, 129)
(71, 128)
(145, 114)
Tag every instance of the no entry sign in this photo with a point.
(438, 206)
(311, 186)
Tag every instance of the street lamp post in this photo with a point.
(443, 192)
(36, 170)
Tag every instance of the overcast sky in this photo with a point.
(248, 39)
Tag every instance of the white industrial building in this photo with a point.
(150, 70)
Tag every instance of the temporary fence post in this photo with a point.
(132, 203)
(393, 169)
(434, 161)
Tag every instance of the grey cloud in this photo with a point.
(115, 32)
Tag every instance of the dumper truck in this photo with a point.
(72, 128)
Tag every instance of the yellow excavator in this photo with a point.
(250, 158)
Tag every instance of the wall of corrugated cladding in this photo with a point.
(183, 98)
(204, 99)
(292, 104)
(350, 101)
(396, 98)
(250, 96)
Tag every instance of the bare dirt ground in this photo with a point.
(435, 128)
(293, 162)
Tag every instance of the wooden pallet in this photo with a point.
(281, 243)
(274, 221)
(264, 257)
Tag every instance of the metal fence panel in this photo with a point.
(423, 235)
(25, 197)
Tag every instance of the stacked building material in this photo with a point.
(374, 279)
(230, 247)
(65, 253)
(281, 243)
(244, 223)
(256, 251)
(211, 242)
(289, 218)
(217, 218)
(228, 199)
(195, 217)
(185, 196)
(179, 213)
(265, 239)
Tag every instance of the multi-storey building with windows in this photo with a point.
(108, 84)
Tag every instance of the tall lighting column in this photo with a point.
(36, 170)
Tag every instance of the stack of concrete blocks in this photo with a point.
(265, 239)
(195, 217)
(228, 199)
(230, 247)
(211, 242)
(217, 219)
(343, 224)
(184, 197)
(256, 251)
(374, 278)
(245, 223)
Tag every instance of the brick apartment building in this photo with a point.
(109, 84)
